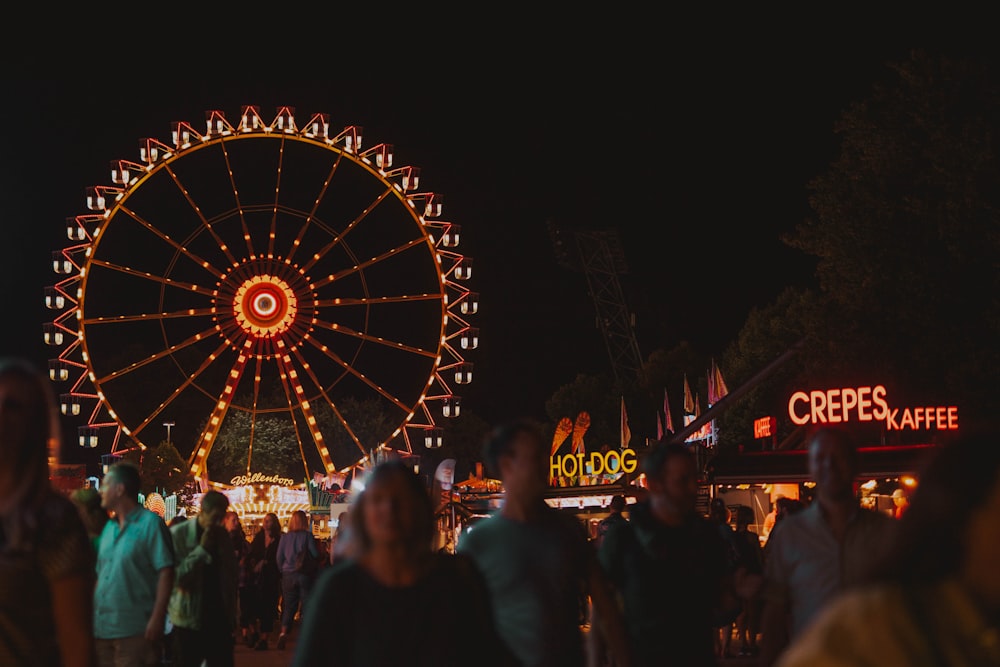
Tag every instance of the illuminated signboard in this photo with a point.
(764, 427)
(594, 463)
(260, 478)
(866, 404)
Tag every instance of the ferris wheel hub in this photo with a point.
(265, 305)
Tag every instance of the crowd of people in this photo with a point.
(836, 584)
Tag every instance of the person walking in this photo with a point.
(297, 560)
(933, 598)
(46, 559)
(616, 516)
(751, 557)
(670, 566)
(265, 580)
(135, 574)
(537, 562)
(241, 550)
(821, 549)
(203, 605)
(436, 604)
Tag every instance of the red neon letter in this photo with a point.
(850, 398)
(796, 398)
(833, 405)
(818, 405)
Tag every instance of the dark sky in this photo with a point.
(698, 157)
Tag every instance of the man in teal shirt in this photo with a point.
(537, 562)
(135, 574)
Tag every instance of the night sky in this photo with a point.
(698, 157)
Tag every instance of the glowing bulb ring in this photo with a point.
(264, 306)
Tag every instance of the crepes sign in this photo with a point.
(868, 404)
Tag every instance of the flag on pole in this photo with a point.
(626, 431)
(688, 401)
(720, 384)
(659, 427)
(712, 396)
(668, 422)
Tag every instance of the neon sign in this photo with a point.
(764, 427)
(596, 463)
(866, 404)
(260, 478)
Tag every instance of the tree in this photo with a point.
(907, 235)
(162, 469)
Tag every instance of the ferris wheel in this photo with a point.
(262, 270)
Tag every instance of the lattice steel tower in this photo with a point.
(598, 254)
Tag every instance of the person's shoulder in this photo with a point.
(58, 506)
(337, 580)
(868, 616)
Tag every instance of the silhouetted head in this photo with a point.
(833, 463)
(672, 477)
(393, 509)
(516, 453)
(951, 526)
(29, 433)
(617, 504)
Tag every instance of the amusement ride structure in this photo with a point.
(256, 256)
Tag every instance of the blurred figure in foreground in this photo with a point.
(537, 562)
(671, 567)
(935, 598)
(46, 560)
(398, 602)
(818, 552)
(340, 543)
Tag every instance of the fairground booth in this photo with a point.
(893, 443)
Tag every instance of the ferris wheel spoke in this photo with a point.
(201, 216)
(291, 377)
(157, 356)
(184, 385)
(192, 312)
(361, 376)
(311, 218)
(201, 450)
(347, 331)
(253, 411)
(291, 411)
(343, 422)
(277, 191)
(354, 223)
(364, 265)
(174, 244)
(149, 276)
(402, 298)
(239, 206)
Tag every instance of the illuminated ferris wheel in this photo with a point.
(261, 270)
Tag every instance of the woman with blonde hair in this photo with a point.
(298, 558)
(47, 563)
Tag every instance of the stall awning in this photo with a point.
(792, 465)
